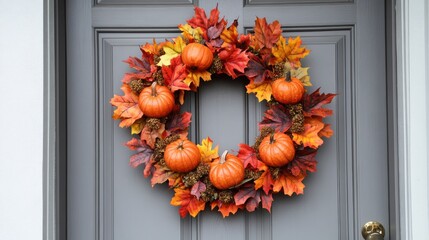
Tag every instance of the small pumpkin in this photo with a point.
(197, 56)
(156, 101)
(287, 90)
(226, 172)
(277, 149)
(182, 156)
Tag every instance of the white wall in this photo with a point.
(21, 119)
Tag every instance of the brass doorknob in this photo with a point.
(373, 231)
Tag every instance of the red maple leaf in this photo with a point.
(187, 202)
(248, 155)
(313, 104)
(178, 123)
(304, 161)
(225, 208)
(200, 20)
(276, 117)
(250, 197)
(233, 59)
(161, 174)
(143, 155)
(175, 74)
(266, 35)
(265, 180)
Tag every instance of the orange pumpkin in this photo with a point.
(277, 150)
(226, 172)
(156, 101)
(287, 91)
(197, 56)
(182, 156)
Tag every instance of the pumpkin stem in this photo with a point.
(153, 86)
(180, 145)
(288, 76)
(272, 140)
(223, 157)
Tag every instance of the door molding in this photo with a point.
(399, 114)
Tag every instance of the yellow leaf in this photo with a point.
(310, 136)
(302, 74)
(262, 91)
(292, 51)
(229, 36)
(191, 33)
(171, 51)
(207, 151)
(194, 77)
(137, 127)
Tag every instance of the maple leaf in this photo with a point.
(200, 19)
(171, 50)
(265, 181)
(310, 136)
(146, 69)
(291, 51)
(150, 135)
(257, 70)
(190, 33)
(326, 131)
(263, 91)
(198, 188)
(153, 48)
(266, 35)
(276, 117)
(267, 200)
(128, 77)
(187, 202)
(230, 35)
(313, 104)
(175, 74)
(178, 123)
(304, 161)
(216, 30)
(233, 59)
(289, 183)
(194, 78)
(128, 109)
(225, 208)
(143, 155)
(248, 155)
(250, 197)
(302, 74)
(137, 127)
(161, 174)
(208, 153)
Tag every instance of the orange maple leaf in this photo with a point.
(225, 208)
(128, 110)
(265, 180)
(289, 183)
(150, 135)
(187, 202)
(292, 51)
(326, 131)
(161, 174)
(229, 36)
(310, 136)
(266, 35)
(152, 48)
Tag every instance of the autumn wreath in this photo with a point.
(291, 130)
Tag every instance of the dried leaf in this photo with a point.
(310, 136)
(208, 153)
(143, 155)
(263, 91)
(175, 74)
(187, 202)
(172, 50)
(128, 110)
(178, 123)
(233, 59)
(304, 161)
(266, 35)
(276, 117)
(313, 104)
(257, 70)
(150, 135)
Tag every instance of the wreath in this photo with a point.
(291, 130)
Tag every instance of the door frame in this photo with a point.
(55, 121)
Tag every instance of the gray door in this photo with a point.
(109, 200)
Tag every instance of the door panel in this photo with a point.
(110, 200)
